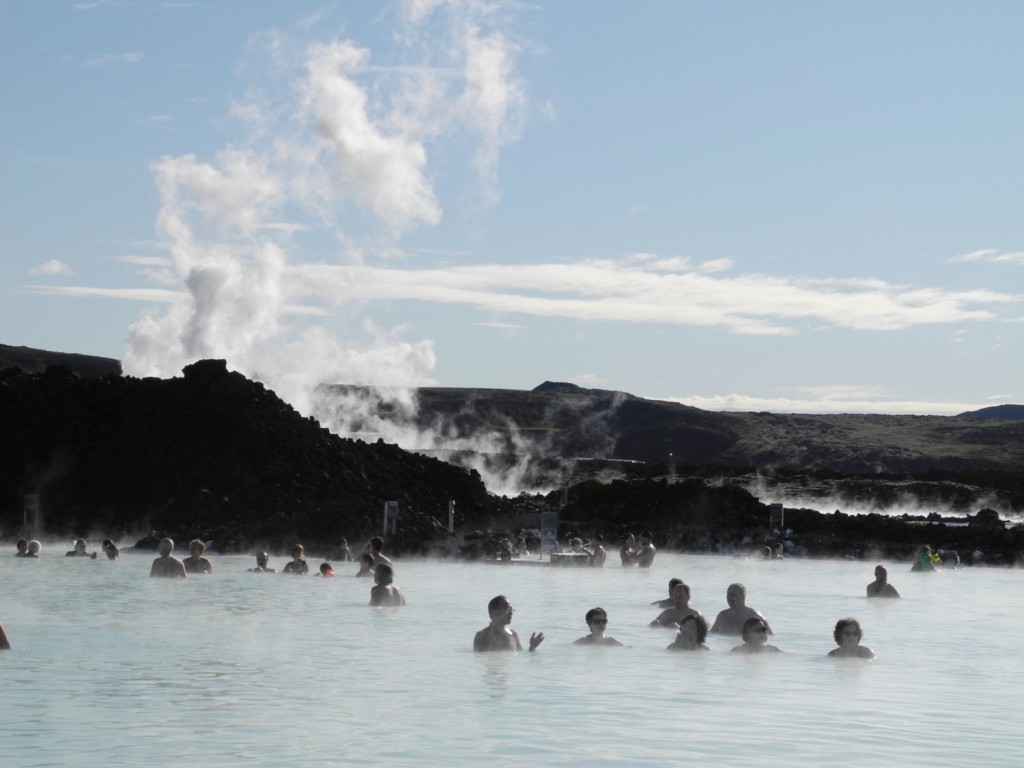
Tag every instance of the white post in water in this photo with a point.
(390, 517)
(451, 515)
(548, 532)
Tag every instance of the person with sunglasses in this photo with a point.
(597, 620)
(755, 638)
(847, 635)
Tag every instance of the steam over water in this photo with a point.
(237, 669)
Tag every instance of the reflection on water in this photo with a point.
(239, 669)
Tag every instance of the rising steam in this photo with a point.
(336, 142)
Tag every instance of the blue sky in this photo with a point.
(787, 206)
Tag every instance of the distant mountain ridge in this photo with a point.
(560, 421)
(564, 420)
(38, 360)
(995, 412)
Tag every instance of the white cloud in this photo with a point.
(992, 256)
(823, 405)
(635, 291)
(52, 268)
(500, 326)
(106, 59)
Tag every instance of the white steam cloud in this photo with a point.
(343, 148)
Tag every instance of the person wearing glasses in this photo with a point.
(597, 621)
(498, 635)
(847, 635)
(755, 638)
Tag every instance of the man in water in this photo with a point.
(79, 550)
(667, 602)
(5, 644)
(598, 554)
(262, 564)
(881, 587)
(679, 609)
(498, 636)
(731, 620)
(384, 592)
(167, 565)
(645, 555)
(376, 545)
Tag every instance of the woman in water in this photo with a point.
(847, 635)
(693, 631)
(195, 562)
(597, 621)
(755, 638)
(297, 564)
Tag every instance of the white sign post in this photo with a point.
(390, 517)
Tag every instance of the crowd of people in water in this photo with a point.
(737, 620)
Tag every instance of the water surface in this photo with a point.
(111, 667)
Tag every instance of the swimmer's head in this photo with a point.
(755, 630)
(598, 615)
(196, 547)
(848, 627)
(736, 595)
(499, 607)
(326, 569)
(262, 558)
(880, 573)
(34, 547)
(80, 545)
(165, 547)
(22, 545)
(694, 626)
(384, 574)
(681, 593)
(298, 552)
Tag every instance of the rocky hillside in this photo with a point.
(570, 422)
(211, 453)
(38, 360)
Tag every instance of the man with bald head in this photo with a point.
(731, 620)
(167, 565)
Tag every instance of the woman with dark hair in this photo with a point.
(597, 622)
(847, 635)
(693, 631)
(755, 638)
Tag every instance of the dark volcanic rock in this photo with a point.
(211, 453)
(38, 360)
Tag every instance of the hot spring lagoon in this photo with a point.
(111, 667)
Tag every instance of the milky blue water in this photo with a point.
(112, 668)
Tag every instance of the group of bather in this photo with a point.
(738, 620)
(692, 629)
